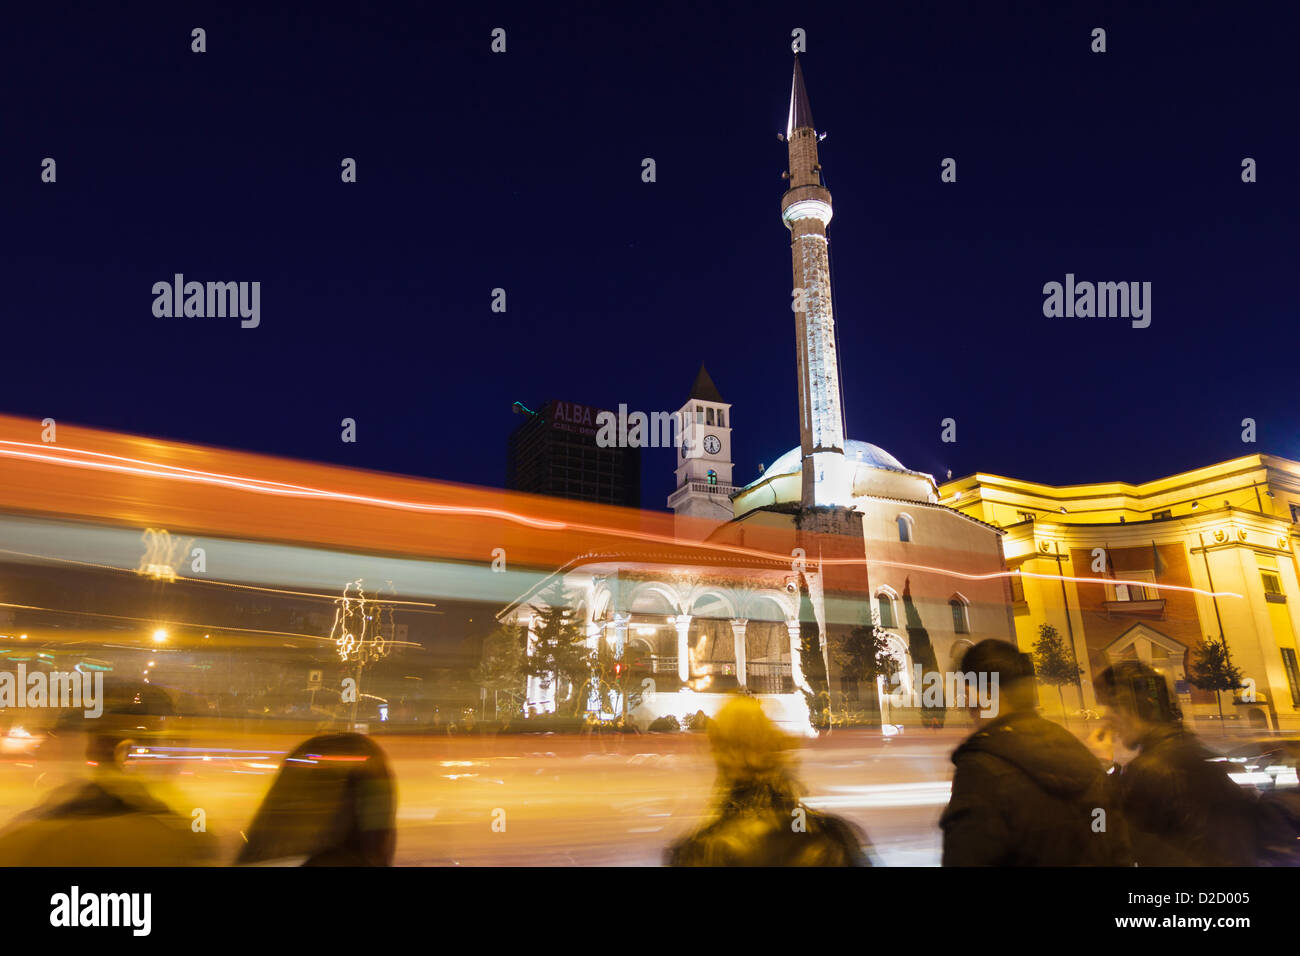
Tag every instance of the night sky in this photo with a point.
(523, 171)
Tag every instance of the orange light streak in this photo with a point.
(141, 467)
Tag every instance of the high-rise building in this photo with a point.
(555, 453)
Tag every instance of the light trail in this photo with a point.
(270, 487)
(224, 584)
(258, 485)
(154, 622)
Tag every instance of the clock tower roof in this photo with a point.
(704, 389)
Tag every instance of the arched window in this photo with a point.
(960, 614)
(713, 477)
(904, 527)
(885, 605)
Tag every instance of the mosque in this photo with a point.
(869, 542)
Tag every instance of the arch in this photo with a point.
(653, 597)
(959, 604)
(769, 605)
(701, 599)
(886, 606)
(906, 526)
(957, 653)
(902, 678)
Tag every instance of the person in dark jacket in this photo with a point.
(334, 803)
(113, 818)
(1182, 807)
(759, 819)
(1025, 792)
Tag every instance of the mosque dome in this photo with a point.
(873, 456)
(874, 472)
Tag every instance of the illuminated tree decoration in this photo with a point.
(363, 628)
(162, 553)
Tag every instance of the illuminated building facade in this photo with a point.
(1148, 571)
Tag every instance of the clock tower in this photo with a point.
(704, 487)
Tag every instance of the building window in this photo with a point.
(1292, 674)
(1272, 587)
(1295, 514)
(713, 477)
(885, 605)
(960, 615)
(1017, 589)
(904, 528)
(699, 414)
(708, 416)
(1143, 590)
(722, 418)
(1163, 515)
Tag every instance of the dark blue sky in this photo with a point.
(522, 171)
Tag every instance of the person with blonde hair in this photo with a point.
(758, 818)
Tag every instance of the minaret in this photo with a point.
(806, 210)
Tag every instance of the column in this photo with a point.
(533, 689)
(683, 622)
(796, 664)
(738, 635)
(621, 620)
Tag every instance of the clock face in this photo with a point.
(711, 444)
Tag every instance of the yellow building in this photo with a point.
(1147, 571)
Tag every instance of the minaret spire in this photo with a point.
(806, 210)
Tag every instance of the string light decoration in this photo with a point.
(363, 632)
(363, 627)
(162, 554)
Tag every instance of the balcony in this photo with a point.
(701, 488)
(1154, 608)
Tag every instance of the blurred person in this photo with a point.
(1182, 809)
(1025, 790)
(111, 819)
(334, 803)
(758, 819)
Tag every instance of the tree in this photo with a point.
(501, 669)
(814, 673)
(812, 664)
(614, 681)
(864, 655)
(1211, 668)
(1053, 664)
(560, 656)
(921, 650)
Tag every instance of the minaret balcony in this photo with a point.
(814, 199)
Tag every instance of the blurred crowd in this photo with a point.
(1140, 790)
